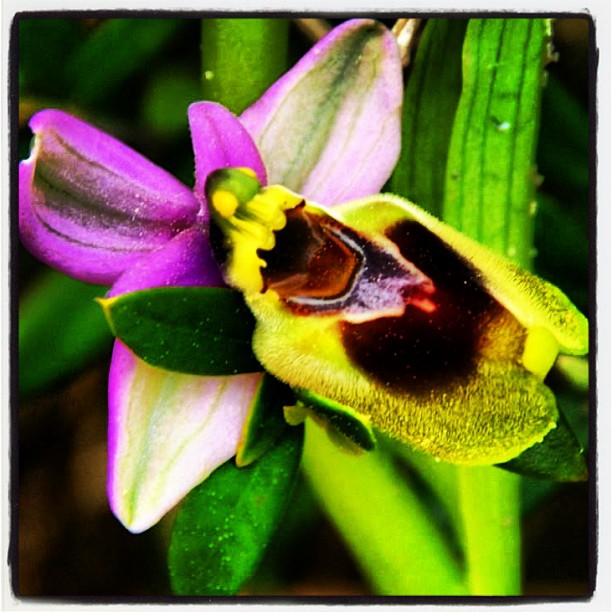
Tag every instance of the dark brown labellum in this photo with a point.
(425, 349)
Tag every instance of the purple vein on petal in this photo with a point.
(330, 127)
(91, 206)
(167, 433)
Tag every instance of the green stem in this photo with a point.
(490, 504)
(440, 477)
(490, 190)
(490, 176)
(383, 522)
(241, 58)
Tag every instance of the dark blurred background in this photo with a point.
(65, 540)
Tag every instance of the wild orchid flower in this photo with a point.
(95, 209)
(377, 313)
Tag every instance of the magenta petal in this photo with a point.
(220, 141)
(185, 261)
(91, 206)
(330, 127)
(167, 432)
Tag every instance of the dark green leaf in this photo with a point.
(563, 154)
(573, 404)
(61, 330)
(45, 47)
(225, 524)
(356, 427)
(265, 423)
(196, 330)
(116, 49)
(430, 100)
(558, 457)
(562, 242)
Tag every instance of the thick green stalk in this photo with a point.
(490, 506)
(490, 190)
(384, 523)
(241, 58)
(491, 176)
(440, 477)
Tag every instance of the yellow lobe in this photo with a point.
(225, 203)
(541, 350)
(295, 415)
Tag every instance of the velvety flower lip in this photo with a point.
(97, 210)
(91, 206)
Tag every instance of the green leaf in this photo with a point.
(490, 181)
(61, 330)
(558, 457)
(563, 155)
(225, 524)
(45, 45)
(116, 49)
(562, 241)
(390, 532)
(430, 100)
(195, 330)
(265, 422)
(348, 422)
(241, 58)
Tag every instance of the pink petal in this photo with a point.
(220, 141)
(185, 261)
(89, 205)
(330, 127)
(167, 433)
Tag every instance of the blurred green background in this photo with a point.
(135, 79)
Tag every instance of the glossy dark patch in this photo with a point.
(425, 348)
(321, 267)
(309, 260)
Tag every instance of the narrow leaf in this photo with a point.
(384, 523)
(558, 457)
(225, 524)
(355, 426)
(265, 423)
(102, 64)
(195, 330)
(430, 100)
